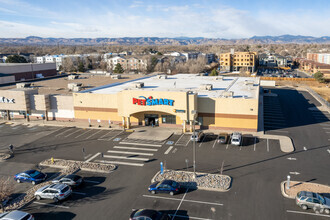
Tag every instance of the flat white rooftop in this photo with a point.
(242, 87)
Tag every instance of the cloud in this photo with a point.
(140, 19)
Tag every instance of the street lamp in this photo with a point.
(194, 113)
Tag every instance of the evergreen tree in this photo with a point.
(15, 59)
(118, 68)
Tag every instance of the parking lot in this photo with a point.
(257, 167)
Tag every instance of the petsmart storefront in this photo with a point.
(168, 102)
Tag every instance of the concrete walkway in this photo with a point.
(151, 133)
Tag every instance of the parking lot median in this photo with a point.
(297, 186)
(85, 166)
(203, 181)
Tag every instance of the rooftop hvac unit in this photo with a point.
(219, 78)
(246, 82)
(228, 94)
(108, 74)
(162, 76)
(22, 85)
(72, 77)
(137, 85)
(116, 76)
(72, 85)
(76, 88)
(207, 87)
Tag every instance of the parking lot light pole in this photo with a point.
(194, 112)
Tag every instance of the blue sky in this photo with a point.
(155, 18)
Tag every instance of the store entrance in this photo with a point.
(151, 120)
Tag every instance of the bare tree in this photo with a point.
(68, 64)
(6, 189)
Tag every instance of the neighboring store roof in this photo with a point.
(242, 87)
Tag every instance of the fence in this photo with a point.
(287, 79)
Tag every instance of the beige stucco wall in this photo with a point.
(21, 99)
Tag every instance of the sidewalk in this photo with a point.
(286, 144)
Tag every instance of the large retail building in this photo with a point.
(230, 103)
(174, 101)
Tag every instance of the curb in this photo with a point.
(199, 187)
(283, 191)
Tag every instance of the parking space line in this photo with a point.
(267, 145)
(72, 133)
(91, 158)
(186, 200)
(326, 128)
(227, 146)
(126, 158)
(115, 136)
(255, 144)
(63, 132)
(93, 134)
(151, 145)
(83, 133)
(325, 125)
(308, 213)
(128, 152)
(176, 211)
(168, 150)
(135, 148)
(202, 141)
(215, 141)
(190, 217)
(179, 139)
(105, 134)
(47, 204)
(121, 163)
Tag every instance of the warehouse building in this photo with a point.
(11, 72)
(230, 103)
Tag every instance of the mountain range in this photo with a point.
(283, 39)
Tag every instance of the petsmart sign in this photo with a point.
(151, 101)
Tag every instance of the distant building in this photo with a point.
(210, 57)
(319, 57)
(127, 63)
(25, 71)
(272, 60)
(311, 66)
(238, 61)
(27, 56)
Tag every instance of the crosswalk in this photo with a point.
(132, 155)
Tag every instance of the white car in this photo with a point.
(16, 215)
(55, 192)
(236, 138)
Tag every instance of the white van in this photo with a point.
(236, 138)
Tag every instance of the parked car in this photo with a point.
(223, 138)
(32, 176)
(236, 138)
(165, 186)
(312, 200)
(71, 180)
(16, 215)
(148, 214)
(55, 192)
(197, 136)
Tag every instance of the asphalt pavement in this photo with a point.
(257, 167)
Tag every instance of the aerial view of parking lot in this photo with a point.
(174, 110)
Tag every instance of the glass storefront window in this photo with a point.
(168, 119)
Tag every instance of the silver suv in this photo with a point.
(55, 192)
(312, 200)
(197, 136)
